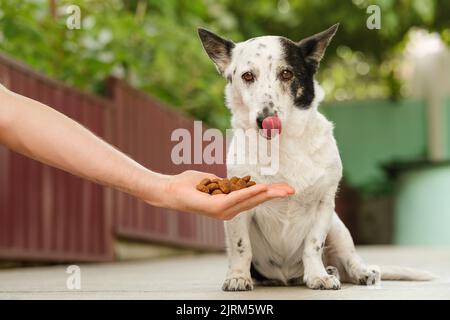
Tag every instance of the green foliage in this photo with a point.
(153, 44)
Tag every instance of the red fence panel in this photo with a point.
(45, 213)
(144, 128)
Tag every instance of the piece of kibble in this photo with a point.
(246, 178)
(233, 180)
(217, 191)
(234, 187)
(216, 180)
(225, 186)
(250, 183)
(212, 186)
(202, 188)
(205, 181)
(241, 184)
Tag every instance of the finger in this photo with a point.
(279, 190)
(238, 196)
(257, 200)
(282, 186)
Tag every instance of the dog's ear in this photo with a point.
(313, 48)
(217, 48)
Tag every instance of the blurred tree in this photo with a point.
(153, 44)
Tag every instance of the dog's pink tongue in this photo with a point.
(271, 124)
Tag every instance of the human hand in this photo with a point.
(181, 194)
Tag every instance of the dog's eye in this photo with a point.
(248, 77)
(286, 75)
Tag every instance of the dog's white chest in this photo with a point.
(277, 233)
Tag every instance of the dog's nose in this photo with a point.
(262, 115)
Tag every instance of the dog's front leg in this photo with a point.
(239, 253)
(315, 275)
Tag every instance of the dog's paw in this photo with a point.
(333, 271)
(369, 276)
(328, 282)
(237, 283)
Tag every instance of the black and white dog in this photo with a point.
(299, 240)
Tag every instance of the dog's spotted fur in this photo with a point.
(288, 242)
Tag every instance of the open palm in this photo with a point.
(184, 196)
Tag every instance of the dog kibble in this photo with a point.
(250, 183)
(224, 186)
(234, 180)
(202, 188)
(205, 181)
(242, 183)
(234, 187)
(212, 186)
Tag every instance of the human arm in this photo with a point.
(44, 134)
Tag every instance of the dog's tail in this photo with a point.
(404, 273)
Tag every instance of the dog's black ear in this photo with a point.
(313, 48)
(217, 48)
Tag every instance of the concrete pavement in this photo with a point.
(201, 276)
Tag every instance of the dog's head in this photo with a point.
(268, 76)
